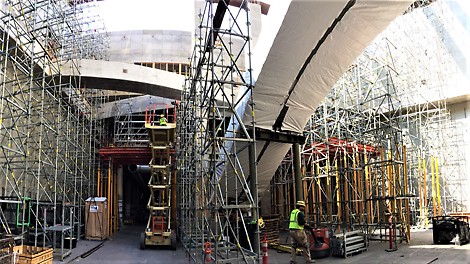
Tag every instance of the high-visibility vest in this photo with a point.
(293, 220)
(162, 121)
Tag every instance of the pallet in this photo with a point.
(271, 229)
(32, 255)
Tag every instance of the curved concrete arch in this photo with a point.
(127, 77)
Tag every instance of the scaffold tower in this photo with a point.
(217, 192)
(46, 122)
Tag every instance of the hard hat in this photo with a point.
(161, 115)
(301, 203)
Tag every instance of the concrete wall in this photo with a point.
(163, 41)
(141, 39)
(150, 46)
(460, 114)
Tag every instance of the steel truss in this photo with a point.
(47, 130)
(217, 192)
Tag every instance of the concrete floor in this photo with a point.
(421, 251)
(123, 247)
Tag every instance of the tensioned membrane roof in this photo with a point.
(316, 43)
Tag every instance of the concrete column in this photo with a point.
(299, 190)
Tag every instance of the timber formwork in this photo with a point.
(216, 189)
(46, 124)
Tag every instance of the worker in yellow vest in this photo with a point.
(297, 224)
(162, 120)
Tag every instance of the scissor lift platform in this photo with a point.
(158, 231)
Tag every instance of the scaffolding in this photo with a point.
(129, 115)
(46, 122)
(354, 158)
(282, 196)
(217, 192)
(129, 127)
(429, 67)
(382, 146)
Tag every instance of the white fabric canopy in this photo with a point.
(309, 28)
(316, 43)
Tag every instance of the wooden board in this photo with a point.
(32, 255)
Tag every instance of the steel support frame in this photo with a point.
(46, 125)
(218, 190)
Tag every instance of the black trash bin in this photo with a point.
(250, 229)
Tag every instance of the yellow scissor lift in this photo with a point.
(158, 231)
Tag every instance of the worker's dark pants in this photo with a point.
(298, 239)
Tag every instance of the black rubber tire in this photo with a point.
(142, 241)
(320, 251)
